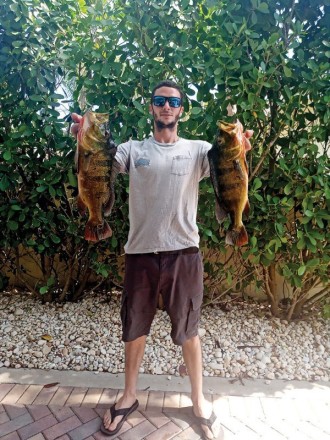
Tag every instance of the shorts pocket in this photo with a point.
(193, 316)
(123, 310)
(181, 165)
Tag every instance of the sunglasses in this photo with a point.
(160, 101)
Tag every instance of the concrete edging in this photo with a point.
(149, 382)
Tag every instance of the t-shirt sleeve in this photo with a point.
(205, 166)
(123, 157)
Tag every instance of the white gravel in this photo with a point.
(243, 342)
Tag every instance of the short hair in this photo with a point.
(167, 83)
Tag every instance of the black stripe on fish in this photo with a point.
(98, 178)
(226, 170)
(103, 163)
(223, 187)
(238, 168)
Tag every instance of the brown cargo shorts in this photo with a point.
(178, 277)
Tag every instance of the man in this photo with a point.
(162, 255)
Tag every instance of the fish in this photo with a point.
(96, 169)
(229, 177)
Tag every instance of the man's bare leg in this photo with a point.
(192, 354)
(134, 351)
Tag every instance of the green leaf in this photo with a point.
(301, 244)
(274, 37)
(36, 98)
(313, 263)
(319, 223)
(148, 41)
(55, 238)
(257, 183)
(56, 96)
(288, 92)
(138, 106)
(15, 208)
(214, 238)
(4, 183)
(287, 71)
(52, 191)
(301, 270)
(253, 241)
(48, 129)
(254, 18)
(311, 239)
(7, 155)
(142, 123)
(12, 225)
(296, 281)
(263, 7)
(288, 189)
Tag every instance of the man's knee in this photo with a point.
(185, 340)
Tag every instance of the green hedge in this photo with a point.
(269, 59)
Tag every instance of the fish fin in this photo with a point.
(97, 232)
(213, 157)
(237, 237)
(76, 158)
(107, 208)
(220, 213)
(81, 206)
(246, 210)
(246, 166)
(237, 167)
(86, 161)
(115, 168)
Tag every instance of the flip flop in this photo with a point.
(217, 434)
(125, 412)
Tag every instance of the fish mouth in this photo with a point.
(102, 118)
(96, 118)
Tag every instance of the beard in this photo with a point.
(162, 125)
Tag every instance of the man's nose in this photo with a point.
(167, 105)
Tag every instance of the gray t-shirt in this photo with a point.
(163, 192)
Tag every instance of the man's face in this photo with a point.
(166, 116)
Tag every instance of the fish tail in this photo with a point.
(237, 237)
(95, 232)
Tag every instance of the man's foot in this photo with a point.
(115, 417)
(208, 421)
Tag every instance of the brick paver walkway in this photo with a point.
(38, 412)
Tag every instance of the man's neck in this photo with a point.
(166, 136)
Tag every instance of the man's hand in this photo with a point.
(75, 127)
(247, 134)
